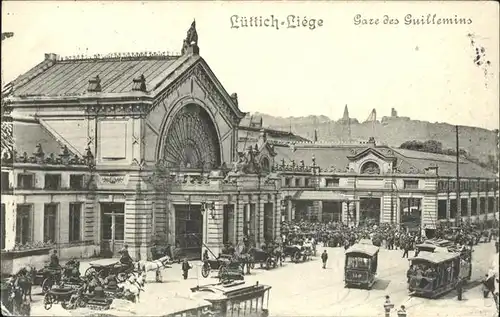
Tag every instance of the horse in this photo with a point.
(134, 285)
(156, 265)
(24, 279)
(17, 303)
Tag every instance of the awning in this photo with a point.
(319, 195)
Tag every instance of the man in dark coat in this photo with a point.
(324, 258)
(185, 268)
(406, 248)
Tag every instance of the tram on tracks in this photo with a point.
(432, 274)
(235, 299)
(361, 261)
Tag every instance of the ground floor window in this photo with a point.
(453, 208)
(411, 212)
(50, 223)
(23, 224)
(464, 206)
(473, 206)
(491, 203)
(482, 205)
(442, 205)
(332, 211)
(369, 211)
(75, 214)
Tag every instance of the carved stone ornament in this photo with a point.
(112, 179)
(370, 168)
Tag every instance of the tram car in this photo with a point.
(361, 261)
(432, 274)
(235, 299)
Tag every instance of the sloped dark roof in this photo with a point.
(446, 164)
(25, 136)
(71, 77)
(336, 156)
(325, 156)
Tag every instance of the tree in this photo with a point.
(432, 146)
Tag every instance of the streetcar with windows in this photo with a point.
(235, 299)
(432, 274)
(361, 261)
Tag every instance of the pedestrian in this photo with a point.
(459, 289)
(405, 249)
(402, 311)
(185, 268)
(388, 306)
(324, 258)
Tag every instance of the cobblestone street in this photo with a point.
(307, 290)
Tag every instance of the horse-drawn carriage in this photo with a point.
(215, 264)
(106, 267)
(48, 276)
(268, 258)
(14, 301)
(297, 253)
(83, 296)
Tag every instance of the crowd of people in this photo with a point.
(390, 236)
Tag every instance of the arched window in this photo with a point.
(264, 164)
(370, 168)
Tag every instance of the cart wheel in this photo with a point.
(48, 300)
(90, 271)
(47, 285)
(269, 263)
(205, 271)
(81, 303)
(121, 277)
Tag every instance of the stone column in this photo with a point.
(240, 210)
(10, 222)
(486, 209)
(357, 213)
(288, 209)
(260, 220)
(469, 207)
(293, 210)
(448, 207)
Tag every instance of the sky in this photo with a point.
(425, 72)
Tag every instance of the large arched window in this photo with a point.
(192, 140)
(370, 168)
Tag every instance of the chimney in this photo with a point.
(94, 84)
(371, 142)
(139, 84)
(51, 57)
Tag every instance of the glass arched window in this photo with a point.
(370, 168)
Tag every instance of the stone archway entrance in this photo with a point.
(191, 144)
(369, 211)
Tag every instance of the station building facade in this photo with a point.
(370, 183)
(106, 151)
